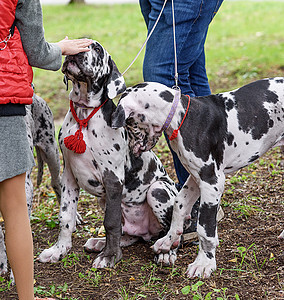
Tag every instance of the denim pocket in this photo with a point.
(184, 10)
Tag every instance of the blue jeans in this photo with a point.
(192, 18)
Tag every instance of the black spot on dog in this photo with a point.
(43, 122)
(207, 218)
(64, 207)
(253, 117)
(94, 133)
(160, 195)
(150, 173)
(140, 85)
(167, 96)
(230, 138)
(207, 174)
(132, 180)
(93, 183)
(209, 114)
(116, 147)
(95, 163)
(228, 168)
(253, 158)
(229, 104)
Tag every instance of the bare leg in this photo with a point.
(18, 236)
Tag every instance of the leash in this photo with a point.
(148, 37)
(76, 142)
(175, 45)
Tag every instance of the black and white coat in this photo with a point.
(220, 134)
(137, 193)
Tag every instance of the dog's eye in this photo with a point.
(98, 50)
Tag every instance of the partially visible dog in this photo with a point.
(41, 136)
(137, 193)
(212, 136)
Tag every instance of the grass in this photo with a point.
(245, 42)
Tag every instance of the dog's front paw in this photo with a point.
(202, 266)
(166, 259)
(107, 261)
(94, 245)
(166, 243)
(54, 253)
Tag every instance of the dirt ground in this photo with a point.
(250, 258)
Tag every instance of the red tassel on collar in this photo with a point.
(76, 142)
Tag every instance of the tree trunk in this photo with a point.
(77, 1)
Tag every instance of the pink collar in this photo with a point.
(172, 111)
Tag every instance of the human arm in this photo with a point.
(40, 53)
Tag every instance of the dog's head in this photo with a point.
(94, 70)
(141, 115)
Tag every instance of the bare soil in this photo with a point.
(250, 258)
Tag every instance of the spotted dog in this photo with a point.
(41, 136)
(137, 193)
(219, 134)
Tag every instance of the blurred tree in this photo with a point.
(76, 1)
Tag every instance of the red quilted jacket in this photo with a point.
(16, 74)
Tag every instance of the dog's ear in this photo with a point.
(118, 117)
(115, 83)
(65, 80)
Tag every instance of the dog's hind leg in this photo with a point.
(53, 163)
(67, 219)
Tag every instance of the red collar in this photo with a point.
(76, 142)
(175, 132)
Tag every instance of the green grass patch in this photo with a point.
(245, 42)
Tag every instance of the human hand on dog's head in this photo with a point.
(72, 47)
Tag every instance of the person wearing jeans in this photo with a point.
(192, 19)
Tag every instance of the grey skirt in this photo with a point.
(16, 156)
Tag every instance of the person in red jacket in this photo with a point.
(22, 45)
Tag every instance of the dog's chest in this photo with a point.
(105, 150)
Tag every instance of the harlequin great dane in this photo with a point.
(41, 136)
(212, 136)
(136, 192)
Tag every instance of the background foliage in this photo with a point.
(245, 43)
